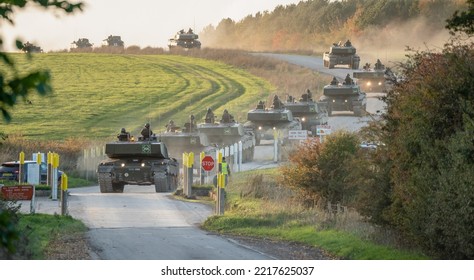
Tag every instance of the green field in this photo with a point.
(97, 94)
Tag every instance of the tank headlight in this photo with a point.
(303, 119)
(123, 164)
(125, 174)
(369, 83)
(334, 100)
(380, 83)
(274, 128)
(259, 128)
(345, 100)
(143, 164)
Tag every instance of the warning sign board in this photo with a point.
(297, 134)
(17, 192)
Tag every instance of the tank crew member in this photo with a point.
(306, 97)
(367, 66)
(277, 104)
(124, 135)
(193, 122)
(261, 105)
(226, 117)
(348, 80)
(334, 81)
(378, 65)
(146, 132)
(191, 125)
(348, 43)
(171, 127)
(210, 118)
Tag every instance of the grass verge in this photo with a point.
(44, 232)
(257, 206)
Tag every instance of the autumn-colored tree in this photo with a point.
(429, 136)
(322, 170)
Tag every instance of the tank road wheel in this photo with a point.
(118, 187)
(161, 183)
(105, 183)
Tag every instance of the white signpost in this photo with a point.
(297, 134)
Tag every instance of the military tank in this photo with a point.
(114, 41)
(372, 79)
(142, 162)
(82, 43)
(264, 121)
(344, 97)
(184, 139)
(341, 54)
(31, 48)
(186, 40)
(309, 112)
(227, 132)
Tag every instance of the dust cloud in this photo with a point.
(389, 44)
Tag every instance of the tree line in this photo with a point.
(308, 24)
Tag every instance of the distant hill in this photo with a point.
(372, 25)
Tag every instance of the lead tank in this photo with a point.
(142, 162)
(227, 132)
(344, 97)
(372, 79)
(310, 113)
(341, 54)
(264, 122)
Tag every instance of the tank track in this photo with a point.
(161, 183)
(105, 183)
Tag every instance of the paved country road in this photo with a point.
(144, 225)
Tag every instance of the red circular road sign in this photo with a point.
(207, 163)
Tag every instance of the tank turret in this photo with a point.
(372, 79)
(142, 162)
(345, 96)
(183, 139)
(341, 54)
(82, 43)
(30, 48)
(186, 40)
(114, 41)
(264, 121)
(309, 112)
(225, 132)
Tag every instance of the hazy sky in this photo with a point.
(139, 22)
